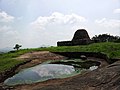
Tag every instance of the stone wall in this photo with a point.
(74, 43)
(65, 43)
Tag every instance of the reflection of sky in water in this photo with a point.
(93, 68)
(53, 70)
(40, 73)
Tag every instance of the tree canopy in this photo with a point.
(17, 46)
(105, 38)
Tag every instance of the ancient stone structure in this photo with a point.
(80, 37)
(81, 34)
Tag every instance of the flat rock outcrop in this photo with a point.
(106, 78)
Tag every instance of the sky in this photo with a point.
(36, 23)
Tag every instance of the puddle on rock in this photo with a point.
(40, 73)
(46, 71)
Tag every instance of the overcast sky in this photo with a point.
(33, 23)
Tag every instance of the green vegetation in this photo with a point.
(17, 46)
(7, 60)
(109, 48)
(105, 38)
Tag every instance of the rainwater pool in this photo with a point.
(51, 70)
(40, 73)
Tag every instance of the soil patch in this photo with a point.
(38, 58)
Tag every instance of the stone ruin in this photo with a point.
(80, 37)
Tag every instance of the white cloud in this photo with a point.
(111, 23)
(4, 17)
(117, 11)
(4, 28)
(58, 19)
(109, 26)
(9, 1)
(8, 36)
(47, 30)
(6, 31)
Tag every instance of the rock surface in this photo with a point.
(106, 78)
(38, 58)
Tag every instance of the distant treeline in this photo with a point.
(106, 38)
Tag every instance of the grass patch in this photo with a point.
(109, 48)
(7, 60)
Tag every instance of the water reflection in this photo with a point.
(93, 68)
(40, 73)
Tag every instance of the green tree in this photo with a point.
(105, 38)
(17, 46)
